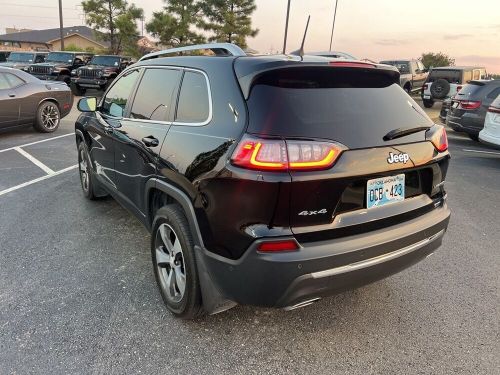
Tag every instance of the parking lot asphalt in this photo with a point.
(77, 291)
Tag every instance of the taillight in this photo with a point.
(349, 64)
(276, 246)
(494, 109)
(437, 135)
(280, 155)
(425, 87)
(469, 104)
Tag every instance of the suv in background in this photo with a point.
(21, 60)
(413, 73)
(98, 74)
(270, 181)
(58, 66)
(445, 82)
(469, 107)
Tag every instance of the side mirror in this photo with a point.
(87, 104)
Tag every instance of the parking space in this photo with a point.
(77, 291)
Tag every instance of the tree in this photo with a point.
(434, 60)
(174, 24)
(229, 20)
(116, 21)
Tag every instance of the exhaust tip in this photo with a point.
(302, 304)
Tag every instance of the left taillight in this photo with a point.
(437, 135)
(280, 155)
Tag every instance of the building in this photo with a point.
(82, 37)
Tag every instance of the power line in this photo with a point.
(51, 17)
(34, 6)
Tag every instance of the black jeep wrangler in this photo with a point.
(59, 65)
(98, 74)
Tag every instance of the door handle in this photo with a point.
(150, 141)
(12, 95)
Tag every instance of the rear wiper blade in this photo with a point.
(403, 132)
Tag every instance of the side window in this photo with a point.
(467, 76)
(116, 99)
(4, 84)
(194, 102)
(493, 94)
(39, 59)
(13, 80)
(154, 95)
(477, 74)
(420, 65)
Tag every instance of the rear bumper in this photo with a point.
(489, 139)
(325, 268)
(471, 124)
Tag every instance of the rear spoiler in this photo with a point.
(248, 70)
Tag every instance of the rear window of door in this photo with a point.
(194, 103)
(4, 84)
(115, 101)
(154, 95)
(452, 76)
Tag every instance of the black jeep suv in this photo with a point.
(269, 181)
(98, 74)
(58, 66)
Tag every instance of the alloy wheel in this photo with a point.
(170, 263)
(84, 171)
(50, 116)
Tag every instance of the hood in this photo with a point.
(15, 65)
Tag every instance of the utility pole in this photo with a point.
(61, 32)
(286, 26)
(333, 26)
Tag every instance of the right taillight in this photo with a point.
(469, 104)
(280, 155)
(437, 135)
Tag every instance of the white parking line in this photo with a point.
(56, 173)
(36, 142)
(481, 152)
(35, 161)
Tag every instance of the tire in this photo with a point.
(48, 117)
(174, 263)
(407, 88)
(77, 90)
(474, 137)
(440, 89)
(64, 78)
(428, 103)
(85, 172)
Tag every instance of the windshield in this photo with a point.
(60, 57)
(20, 57)
(402, 66)
(105, 60)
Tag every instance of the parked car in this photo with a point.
(27, 101)
(270, 181)
(446, 82)
(59, 65)
(490, 135)
(21, 60)
(413, 73)
(4, 55)
(98, 74)
(469, 107)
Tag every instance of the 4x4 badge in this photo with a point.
(399, 158)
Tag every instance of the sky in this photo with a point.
(374, 29)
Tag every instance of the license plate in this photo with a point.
(455, 104)
(385, 190)
(427, 96)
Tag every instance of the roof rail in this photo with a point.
(219, 49)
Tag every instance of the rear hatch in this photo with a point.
(356, 107)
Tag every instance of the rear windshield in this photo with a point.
(353, 107)
(470, 90)
(452, 76)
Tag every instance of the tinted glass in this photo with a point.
(116, 99)
(4, 84)
(469, 90)
(60, 57)
(154, 95)
(353, 107)
(452, 76)
(106, 60)
(194, 105)
(21, 57)
(13, 80)
(39, 59)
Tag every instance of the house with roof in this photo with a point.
(83, 37)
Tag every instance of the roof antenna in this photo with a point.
(300, 52)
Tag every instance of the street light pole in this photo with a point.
(333, 25)
(286, 26)
(61, 32)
